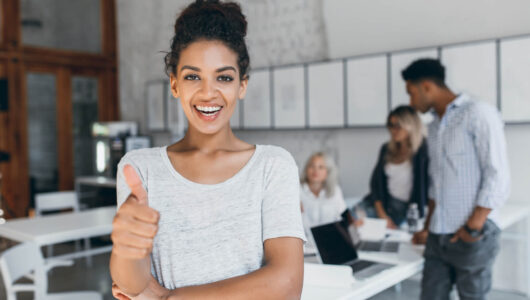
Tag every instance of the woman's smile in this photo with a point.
(208, 112)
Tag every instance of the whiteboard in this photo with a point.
(235, 119)
(367, 91)
(257, 107)
(515, 80)
(289, 97)
(398, 62)
(472, 69)
(326, 95)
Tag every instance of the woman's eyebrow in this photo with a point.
(191, 68)
(226, 68)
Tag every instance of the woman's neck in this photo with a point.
(224, 139)
(315, 187)
(402, 152)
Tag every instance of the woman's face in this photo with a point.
(397, 133)
(317, 171)
(208, 85)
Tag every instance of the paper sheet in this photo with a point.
(373, 229)
(328, 275)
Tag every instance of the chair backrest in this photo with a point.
(56, 201)
(20, 260)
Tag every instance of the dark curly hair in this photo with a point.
(425, 69)
(210, 20)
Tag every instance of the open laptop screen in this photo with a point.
(334, 243)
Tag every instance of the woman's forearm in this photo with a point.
(131, 275)
(265, 283)
(280, 278)
(379, 209)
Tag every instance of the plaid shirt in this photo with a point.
(468, 163)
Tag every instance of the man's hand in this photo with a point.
(135, 224)
(420, 237)
(463, 235)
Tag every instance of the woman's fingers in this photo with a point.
(135, 184)
(118, 294)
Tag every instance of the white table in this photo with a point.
(407, 263)
(63, 227)
(98, 181)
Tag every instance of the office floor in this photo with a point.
(96, 278)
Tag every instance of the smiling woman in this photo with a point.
(210, 216)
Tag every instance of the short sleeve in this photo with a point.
(281, 216)
(122, 189)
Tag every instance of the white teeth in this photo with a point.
(208, 108)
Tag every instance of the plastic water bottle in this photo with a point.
(413, 216)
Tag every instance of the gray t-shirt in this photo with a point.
(210, 232)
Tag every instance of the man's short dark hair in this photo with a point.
(425, 69)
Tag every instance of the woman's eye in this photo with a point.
(191, 77)
(225, 78)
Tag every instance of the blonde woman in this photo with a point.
(321, 197)
(400, 175)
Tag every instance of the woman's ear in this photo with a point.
(173, 85)
(243, 87)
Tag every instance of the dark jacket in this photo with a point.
(420, 186)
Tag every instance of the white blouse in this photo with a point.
(322, 209)
(400, 179)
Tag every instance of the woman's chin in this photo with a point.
(210, 129)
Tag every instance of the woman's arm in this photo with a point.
(281, 277)
(381, 213)
(133, 230)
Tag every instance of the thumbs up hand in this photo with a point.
(135, 224)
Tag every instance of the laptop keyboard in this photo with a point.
(360, 265)
(392, 247)
(371, 271)
(370, 246)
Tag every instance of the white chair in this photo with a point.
(25, 258)
(54, 201)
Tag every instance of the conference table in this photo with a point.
(407, 263)
(63, 227)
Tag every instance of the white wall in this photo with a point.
(368, 26)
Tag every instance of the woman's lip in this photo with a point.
(208, 118)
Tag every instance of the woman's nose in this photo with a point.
(208, 89)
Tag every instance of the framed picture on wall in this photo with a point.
(398, 90)
(289, 97)
(398, 62)
(367, 91)
(326, 94)
(515, 79)
(472, 68)
(156, 105)
(257, 102)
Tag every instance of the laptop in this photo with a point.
(368, 245)
(335, 246)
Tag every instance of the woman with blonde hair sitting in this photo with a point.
(320, 195)
(400, 176)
